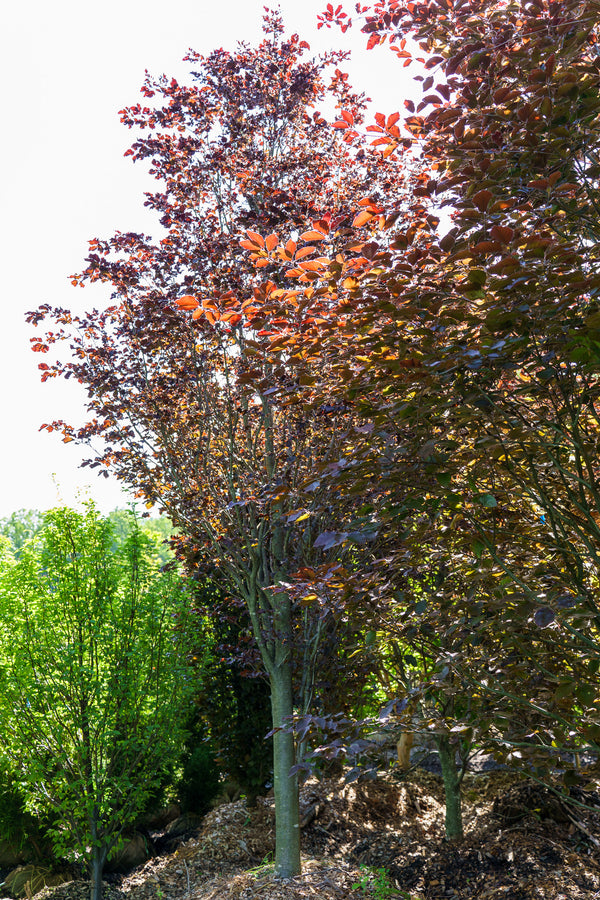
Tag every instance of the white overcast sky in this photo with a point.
(66, 68)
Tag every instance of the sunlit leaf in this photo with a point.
(255, 238)
(187, 302)
(313, 236)
(362, 218)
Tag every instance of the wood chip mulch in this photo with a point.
(520, 844)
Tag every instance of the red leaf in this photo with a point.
(374, 39)
(482, 199)
(393, 119)
(502, 233)
(487, 247)
(347, 116)
(313, 236)
(271, 242)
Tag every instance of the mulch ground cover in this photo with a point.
(384, 840)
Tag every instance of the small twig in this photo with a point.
(581, 827)
(187, 876)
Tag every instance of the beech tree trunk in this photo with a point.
(287, 825)
(96, 869)
(452, 782)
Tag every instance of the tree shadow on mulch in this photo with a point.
(520, 841)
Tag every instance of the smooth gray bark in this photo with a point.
(96, 869)
(287, 827)
(452, 781)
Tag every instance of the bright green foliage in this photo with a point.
(94, 678)
(20, 526)
(157, 530)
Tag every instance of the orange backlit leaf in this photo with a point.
(187, 302)
(305, 251)
(322, 225)
(232, 318)
(255, 238)
(271, 241)
(314, 265)
(362, 218)
(313, 236)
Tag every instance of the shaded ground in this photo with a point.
(521, 844)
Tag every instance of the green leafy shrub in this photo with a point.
(94, 679)
(21, 832)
